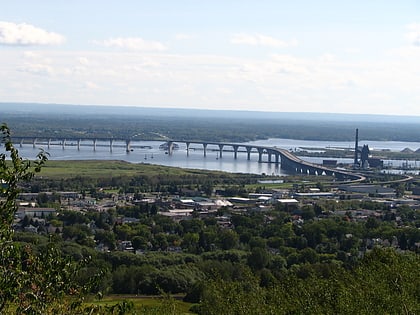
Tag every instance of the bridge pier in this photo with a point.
(248, 153)
(235, 151)
(63, 144)
(260, 153)
(277, 158)
(49, 144)
(188, 148)
(127, 145)
(78, 144)
(111, 144)
(221, 150)
(205, 149)
(34, 143)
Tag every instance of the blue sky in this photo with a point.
(293, 56)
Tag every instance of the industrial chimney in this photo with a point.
(356, 149)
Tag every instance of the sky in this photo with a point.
(284, 56)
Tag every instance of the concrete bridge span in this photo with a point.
(288, 161)
(48, 142)
(285, 158)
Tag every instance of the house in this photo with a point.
(177, 214)
(70, 194)
(31, 229)
(280, 193)
(126, 246)
(314, 195)
(35, 212)
(289, 201)
(372, 190)
(129, 220)
(242, 200)
(28, 196)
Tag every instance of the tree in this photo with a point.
(30, 283)
(11, 174)
(228, 239)
(308, 212)
(107, 238)
(259, 258)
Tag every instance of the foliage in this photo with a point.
(11, 174)
(386, 282)
(30, 283)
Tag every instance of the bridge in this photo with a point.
(285, 158)
(288, 161)
(74, 142)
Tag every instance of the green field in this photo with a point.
(146, 304)
(97, 169)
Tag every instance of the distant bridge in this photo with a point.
(288, 160)
(74, 142)
(285, 158)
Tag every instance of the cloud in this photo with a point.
(37, 69)
(260, 40)
(83, 61)
(413, 34)
(30, 54)
(280, 82)
(89, 85)
(132, 43)
(25, 35)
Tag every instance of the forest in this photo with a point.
(146, 124)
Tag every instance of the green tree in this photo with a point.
(107, 238)
(259, 258)
(228, 239)
(30, 283)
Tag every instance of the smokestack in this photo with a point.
(356, 148)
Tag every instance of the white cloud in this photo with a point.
(280, 82)
(25, 34)
(37, 69)
(260, 40)
(91, 85)
(83, 61)
(413, 34)
(30, 55)
(132, 43)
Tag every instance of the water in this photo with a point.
(149, 152)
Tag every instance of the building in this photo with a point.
(313, 195)
(371, 190)
(178, 214)
(35, 212)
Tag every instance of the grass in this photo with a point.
(146, 303)
(97, 169)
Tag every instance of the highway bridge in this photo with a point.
(288, 161)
